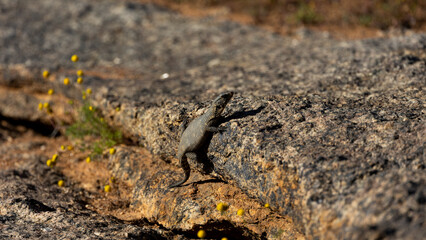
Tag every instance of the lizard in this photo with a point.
(196, 136)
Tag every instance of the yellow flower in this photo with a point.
(88, 160)
(62, 147)
(84, 96)
(90, 108)
(50, 92)
(224, 238)
(240, 212)
(70, 147)
(221, 207)
(66, 81)
(89, 91)
(101, 119)
(49, 163)
(111, 151)
(46, 74)
(74, 58)
(266, 205)
(80, 73)
(46, 105)
(40, 106)
(112, 179)
(54, 157)
(79, 80)
(117, 109)
(201, 234)
(61, 183)
(107, 188)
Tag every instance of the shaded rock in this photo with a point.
(33, 206)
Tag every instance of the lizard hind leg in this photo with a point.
(187, 170)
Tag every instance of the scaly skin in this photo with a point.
(195, 137)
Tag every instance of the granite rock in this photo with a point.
(330, 133)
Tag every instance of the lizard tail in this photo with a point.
(185, 166)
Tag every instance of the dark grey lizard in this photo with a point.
(198, 133)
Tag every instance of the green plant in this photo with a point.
(306, 13)
(277, 233)
(365, 20)
(89, 124)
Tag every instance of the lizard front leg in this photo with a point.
(215, 129)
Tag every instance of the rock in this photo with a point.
(194, 205)
(328, 132)
(33, 206)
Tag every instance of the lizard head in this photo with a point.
(220, 103)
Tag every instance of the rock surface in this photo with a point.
(330, 133)
(33, 206)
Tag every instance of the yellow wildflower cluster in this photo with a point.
(45, 106)
(49, 163)
(85, 94)
(222, 207)
(108, 186)
(52, 162)
(66, 81)
(80, 76)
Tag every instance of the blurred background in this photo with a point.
(342, 18)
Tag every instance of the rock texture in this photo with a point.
(330, 133)
(33, 206)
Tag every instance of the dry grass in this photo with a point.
(375, 13)
(331, 15)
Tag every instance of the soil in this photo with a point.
(75, 171)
